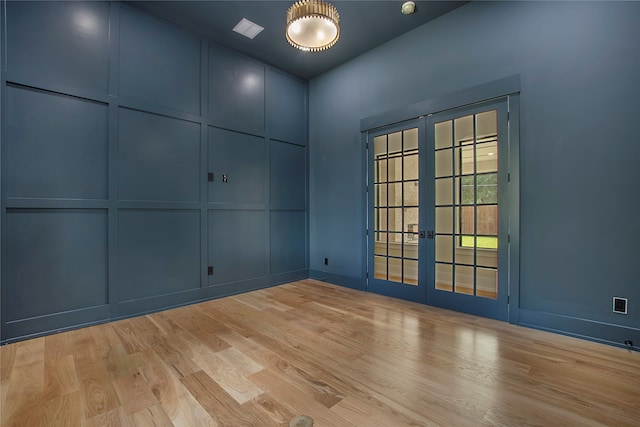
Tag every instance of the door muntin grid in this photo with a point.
(466, 204)
(396, 207)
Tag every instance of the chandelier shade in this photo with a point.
(312, 25)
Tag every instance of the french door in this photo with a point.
(396, 243)
(438, 221)
(469, 210)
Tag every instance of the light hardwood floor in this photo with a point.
(340, 356)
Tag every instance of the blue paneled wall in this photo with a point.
(578, 64)
(112, 122)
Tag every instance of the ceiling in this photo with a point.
(363, 26)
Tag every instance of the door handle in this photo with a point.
(429, 234)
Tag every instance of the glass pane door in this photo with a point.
(394, 200)
(470, 182)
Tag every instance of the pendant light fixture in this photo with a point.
(312, 25)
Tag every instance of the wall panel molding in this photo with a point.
(136, 126)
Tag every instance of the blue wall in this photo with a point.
(578, 65)
(111, 121)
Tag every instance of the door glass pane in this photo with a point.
(395, 143)
(410, 142)
(467, 189)
(380, 146)
(463, 127)
(443, 134)
(395, 194)
(464, 160)
(488, 257)
(395, 168)
(411, 166)
(395, 250)
(380, 171)
(395, 270)
(487, 124)
(444, 191)
(487, 157)
(411, 220)
(395, 220)
(444, 277)
(486, 220)
(380, 267)
(444, 163)
(487, 282)
(464, 279)
(380, 245)
(464, 254)
(487, 188)
(380, 194)
(467, 221)
(444, 248)
(380, 218)
(410, 247)
(410, 272)
(444, 220)
(411, 193)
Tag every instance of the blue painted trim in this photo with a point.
(3, 89)
(514, 207)
(357, 283)
(484, 92)
(154, 304)
(48, 86)
(43, 325)
(591, 330)
(364, 159)
(290, 276)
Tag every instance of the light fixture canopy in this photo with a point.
(312, 25)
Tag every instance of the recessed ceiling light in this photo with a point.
(247, 28)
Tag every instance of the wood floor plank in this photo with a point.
(229, 378)
(341, 356)
(177, 358)
(97, 391)
(64, 410)
(313, 385)
(369, 413)
(7, 360)
(275, 413)
(26, 382)
(189, 319)
(118, 362)
(60, 377)
(180, 406)
(222, 407)
(297, 400)
(134, 393)
(113, 418)
(153, 417)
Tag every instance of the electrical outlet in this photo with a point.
(628, 343)
(620, 305)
